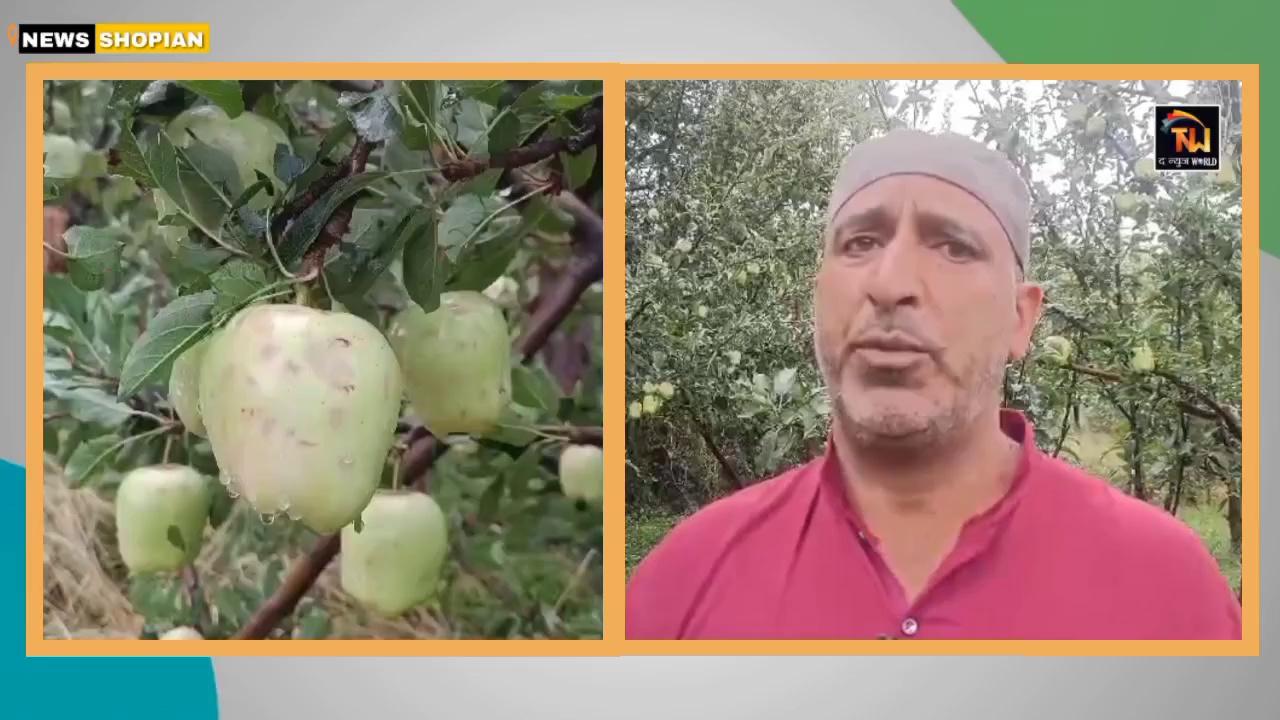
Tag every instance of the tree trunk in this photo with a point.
(1139, 484)
(727, 473)
(1175, 495)
(56, 222)
(1234, 519)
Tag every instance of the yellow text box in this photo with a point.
(152, 37)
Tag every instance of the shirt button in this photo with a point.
(910, 626)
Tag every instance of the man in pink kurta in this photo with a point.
(932, 513)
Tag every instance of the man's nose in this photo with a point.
(895, 274)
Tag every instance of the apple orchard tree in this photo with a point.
(332, 351)
(1136, 370)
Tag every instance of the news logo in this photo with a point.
(1187, 137)
(89, 39)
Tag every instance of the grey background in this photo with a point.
(903, 688)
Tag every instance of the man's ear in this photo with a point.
(1028, 304)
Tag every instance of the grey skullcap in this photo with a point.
(982, 172)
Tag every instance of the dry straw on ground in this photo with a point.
(82, 598)
(86, 584)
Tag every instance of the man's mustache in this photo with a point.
(894, 334)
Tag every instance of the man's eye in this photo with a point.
(957, 250)
(857, 244)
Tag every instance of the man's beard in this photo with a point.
(885, 428)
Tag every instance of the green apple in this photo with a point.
(61, 115)
(456, 362)
(1126, 202)
(182, 633)
(184, 387)
(161, 512)
(1143, 359)
(393, 563)
(300, 406)
(582, 472)
(63, 156)
(1059, 349)
(250, 139)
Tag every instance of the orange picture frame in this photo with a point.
(614, 642)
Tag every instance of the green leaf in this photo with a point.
(89, 457)
(314, 624)
(483, 184)
(487, 508)
(526, 467)
(92, 255)
(419, 103)
(213, 169)
(174, 536)
(566, 103)
(236, 282)
(178, 326)
(185, 262)
(63, 297)
(130, 161)
(473, 126)
(505, 133)
(486, 91)
(299, 236)
(480, 265)
(784, 381)
(469, 220)
(96, 407)
(541, 214)
(124, 97)
(378, 247)
(425, 268)
(533, 387)
(578, 168)
(51, 189)
(373, 115)
(287, 166)
(316, 167)
(190, 190)
(510, 430)
(359, 524)
(560, 95)
(223, 93)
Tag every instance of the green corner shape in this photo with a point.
(1140, 31)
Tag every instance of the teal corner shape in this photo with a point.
(81, 688)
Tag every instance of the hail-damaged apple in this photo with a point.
(393, 562)
(184, 387)
(582, 472)
(161, 511)
(300, 407)
(456, 362)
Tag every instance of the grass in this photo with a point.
(1211, 525)
(1096, 452)
(645, 529)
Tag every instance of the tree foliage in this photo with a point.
(372, 196)
(727, 184)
